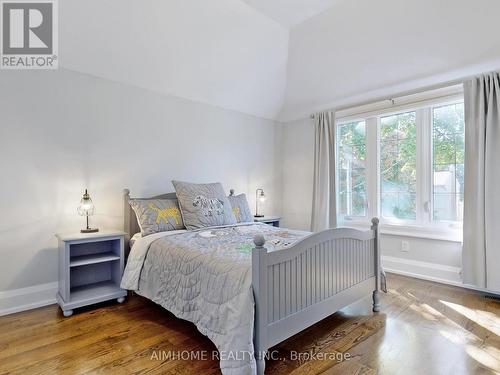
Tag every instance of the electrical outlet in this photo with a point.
(405, 246)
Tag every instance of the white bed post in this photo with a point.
(259, 284)
(376, 298)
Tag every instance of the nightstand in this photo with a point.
(271, 220)
(90, 269)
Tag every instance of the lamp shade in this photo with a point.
(86, 207)
(262, 196)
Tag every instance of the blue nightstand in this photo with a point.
(90, 269)
(271, 220)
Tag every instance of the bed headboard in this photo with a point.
(130, 225)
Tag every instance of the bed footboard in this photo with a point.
(319, 275)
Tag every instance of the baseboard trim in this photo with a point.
(17, 300)
(423, 270)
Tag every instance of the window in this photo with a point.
(448, 162)
(398, 166)
(405, 166)
(351, 169)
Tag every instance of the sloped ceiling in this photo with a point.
(359, 50)
(220, 52)
(290, 13)
(238, 55)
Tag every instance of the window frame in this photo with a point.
(441, 223)
(353, 218)
(424, 225)
(392, 221)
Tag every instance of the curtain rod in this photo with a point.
(405, 93)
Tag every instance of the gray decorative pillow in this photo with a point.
(203, 205)
(241, 210)
(157, 215)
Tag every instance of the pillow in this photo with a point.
(241, 210)
(157, 215)
(203, 205)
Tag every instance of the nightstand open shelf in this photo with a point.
(90, 269)
(89, 291)
(83, 260)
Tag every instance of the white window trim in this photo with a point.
(415, 231)
(337, 181)
(423, 104)
(400, 104)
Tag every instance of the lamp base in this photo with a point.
(89, 230)
(258, 215)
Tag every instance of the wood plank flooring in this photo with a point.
(423, 328)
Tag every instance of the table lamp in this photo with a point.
(86, 209)
(259, 197)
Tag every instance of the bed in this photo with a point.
(250, 286)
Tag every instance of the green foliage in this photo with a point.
(352, 175)
(398, 171)
(449, 141)
(398, 150)
(448, 153)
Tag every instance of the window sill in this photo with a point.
(409, 231)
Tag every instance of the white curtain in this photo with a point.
(481, 248)
(324, 208)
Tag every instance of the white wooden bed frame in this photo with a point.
(303, 284)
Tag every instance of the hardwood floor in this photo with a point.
(423, 328)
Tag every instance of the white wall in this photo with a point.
(440, 260)
(220, 52)
(363, 49)
(298, 165)
(62, 132)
